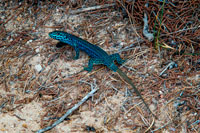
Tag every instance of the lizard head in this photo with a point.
(60, 36)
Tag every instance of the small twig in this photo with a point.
(169, 66)
(150, 126)
(19, 117)
(127, 111)
(3, 105)
(161, 127)
(93, 86)
(192, 28)
(194, 123)
(91, 8)
(148, 35)
(128, 93)
(129, 47)
(76, 106)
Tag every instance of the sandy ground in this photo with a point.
(41, 82)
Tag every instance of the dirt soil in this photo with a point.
(40, 82)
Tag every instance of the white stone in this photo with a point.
(38, 67)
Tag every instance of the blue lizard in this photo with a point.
(98, 55)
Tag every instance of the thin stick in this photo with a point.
(91, 93)
(91, 8)
(147, 34)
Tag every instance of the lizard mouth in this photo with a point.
(53, 35)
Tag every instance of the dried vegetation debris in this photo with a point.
(33, 70)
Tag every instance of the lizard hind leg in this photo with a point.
(117, 57)
(92, 62)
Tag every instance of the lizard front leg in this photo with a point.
(77, 52)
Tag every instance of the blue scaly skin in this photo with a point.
(98, 55)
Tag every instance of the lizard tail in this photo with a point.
(128, 80)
